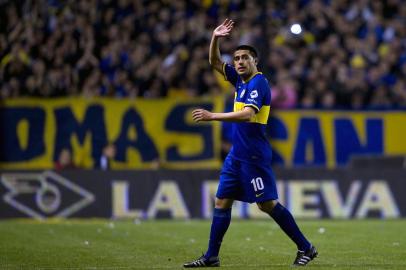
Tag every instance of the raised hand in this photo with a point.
(224, 29)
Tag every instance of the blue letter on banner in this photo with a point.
(277, 131)
(176, 122)
(347, 141)
(309, 132)
(143, 143)
(67, 125)
(11, 150)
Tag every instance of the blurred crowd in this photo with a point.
(349, 54)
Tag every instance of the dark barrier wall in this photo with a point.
(308, 193)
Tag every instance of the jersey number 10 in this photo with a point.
(257, 183)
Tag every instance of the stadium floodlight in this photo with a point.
(296, 29)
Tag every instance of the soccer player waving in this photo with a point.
(246, 174)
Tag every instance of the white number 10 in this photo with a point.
(257, 183)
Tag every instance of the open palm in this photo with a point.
(224, 29)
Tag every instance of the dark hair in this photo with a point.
(249, 48)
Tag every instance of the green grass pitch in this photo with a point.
(249, 244)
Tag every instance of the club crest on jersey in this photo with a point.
(254, 94)
(242, 93)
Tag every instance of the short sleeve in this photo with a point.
(230, 74)
(257, 95)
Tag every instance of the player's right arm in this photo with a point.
(222, 30)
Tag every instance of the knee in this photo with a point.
(267, 206)
(223, 203)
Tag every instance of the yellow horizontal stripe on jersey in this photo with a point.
(260, 117)
(254, 106)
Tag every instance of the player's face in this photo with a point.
(244, 63)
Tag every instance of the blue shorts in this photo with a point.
(246, 182)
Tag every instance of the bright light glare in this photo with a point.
(296, 29)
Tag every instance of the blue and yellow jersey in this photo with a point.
(250, 143)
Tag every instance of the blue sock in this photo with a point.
(219, 226)
(285, 220)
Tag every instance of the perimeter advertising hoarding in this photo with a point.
(183, 194)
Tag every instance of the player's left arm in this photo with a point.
(240, 116)
(253, 103)
(258, 95)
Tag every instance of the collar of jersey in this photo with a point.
(252, 76)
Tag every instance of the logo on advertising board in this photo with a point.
(42, 195)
